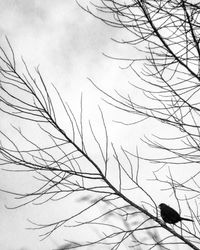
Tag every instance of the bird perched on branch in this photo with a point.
(169, 215)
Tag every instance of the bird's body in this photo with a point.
(169, 215)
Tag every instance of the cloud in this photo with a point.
(67, 43)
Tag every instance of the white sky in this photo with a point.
(68, 44)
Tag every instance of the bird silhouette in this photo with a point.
(169, 215)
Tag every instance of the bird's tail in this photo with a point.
(186, 219)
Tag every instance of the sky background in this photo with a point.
(67, 44)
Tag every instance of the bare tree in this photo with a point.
(64, 168)
(167, 35)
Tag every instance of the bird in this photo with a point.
(169, 215)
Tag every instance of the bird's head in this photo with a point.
(162, 205)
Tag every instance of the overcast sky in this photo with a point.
(68, 44)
